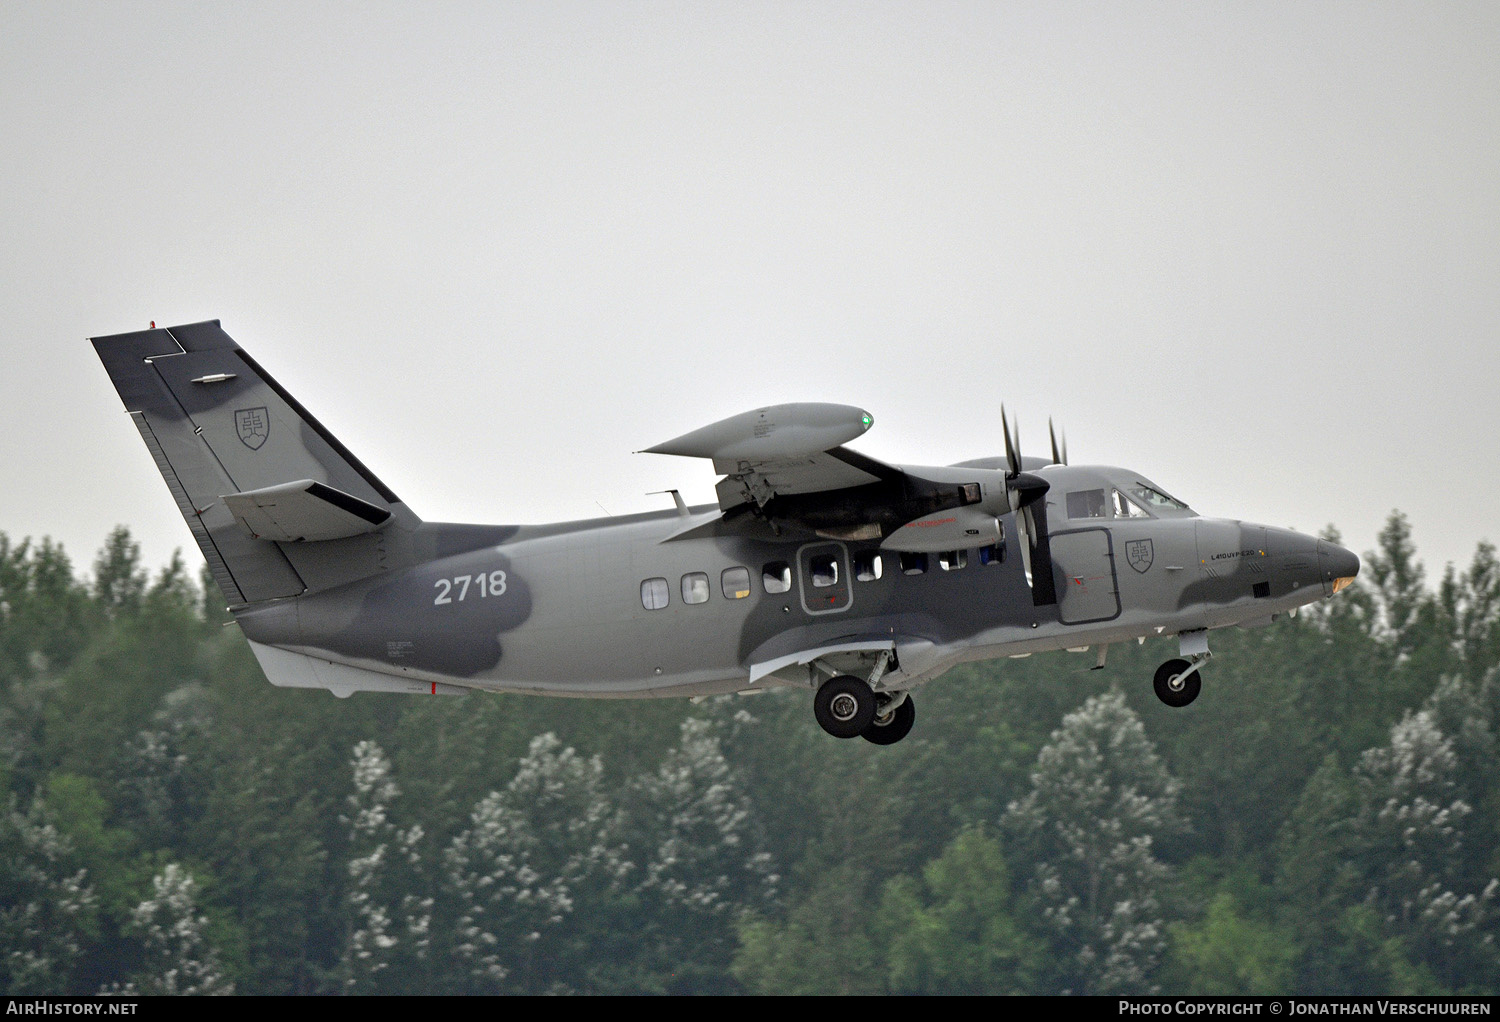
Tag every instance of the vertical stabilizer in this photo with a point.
(219, 426)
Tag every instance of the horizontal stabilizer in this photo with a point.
(304, 511)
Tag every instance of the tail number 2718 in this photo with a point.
(492, 584)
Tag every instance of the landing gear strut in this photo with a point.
(891, 723)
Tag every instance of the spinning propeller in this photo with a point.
(1028, 493)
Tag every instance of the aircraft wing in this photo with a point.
(787, 464)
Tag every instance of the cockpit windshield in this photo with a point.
(1154, 498)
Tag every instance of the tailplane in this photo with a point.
(277, 505)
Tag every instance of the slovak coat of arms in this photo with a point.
(1139, 554)
(253, 426)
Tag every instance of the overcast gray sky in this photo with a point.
(1251, 250)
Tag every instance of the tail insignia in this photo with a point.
(253, 426)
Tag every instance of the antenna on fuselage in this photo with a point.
(682, 508)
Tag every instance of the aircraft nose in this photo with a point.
(1338, 566)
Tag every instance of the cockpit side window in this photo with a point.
(1086, 504)
(1155, 498)
(1124, 507)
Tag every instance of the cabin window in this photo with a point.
(736, 583)
(913, 564)
(867, 566)
(952, 560)
(1086, 504)
(825, 571)
(1125, 507)
(695, 587)
(654, 593)
(776, 577)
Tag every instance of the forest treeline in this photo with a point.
(1322, 820)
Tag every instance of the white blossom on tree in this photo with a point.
(530, 852)
(1099, 797)
(152, 786)
(416, 910)
(44, 903)
(704, 858)
(178, 956)
(1412, 824)
(371, 834)
(377, 849)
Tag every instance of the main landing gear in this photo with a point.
(846, 707)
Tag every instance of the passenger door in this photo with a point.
(1087, 589)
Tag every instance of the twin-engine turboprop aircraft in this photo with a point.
(820, 568)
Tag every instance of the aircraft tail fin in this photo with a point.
(277, 505)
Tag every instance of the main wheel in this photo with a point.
(844, 706)
(1174, 689)
(890, 728)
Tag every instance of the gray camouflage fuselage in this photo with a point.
(337, 584)
(571, 620)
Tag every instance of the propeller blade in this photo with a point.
(1012, 454)
(1023, 540)
(1059, 454)
(1027, 493)
(1043, 589)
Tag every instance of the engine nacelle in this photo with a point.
(957, 528)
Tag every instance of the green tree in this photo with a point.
(1230, 954)
(1397, 576)
(1412, 822)
(179, 956)
(691, 824)
(1475, 611)
(46, 616)
(535, 852)
(827, 944)
(47, 906)
(954, 930)
(119, 579)
(828, 940)
(1100, 796)
(388, 920)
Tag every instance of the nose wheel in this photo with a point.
(1177, 682)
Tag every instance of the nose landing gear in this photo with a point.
(1178, 682)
